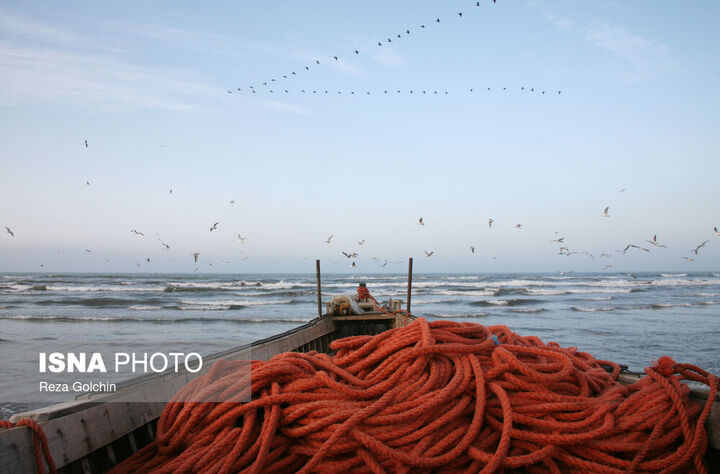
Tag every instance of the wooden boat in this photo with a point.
(94, 433)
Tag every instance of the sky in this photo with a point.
(162, 92)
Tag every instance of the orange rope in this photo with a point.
(40, 444)
(434, 396)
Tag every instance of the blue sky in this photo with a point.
(146, 84)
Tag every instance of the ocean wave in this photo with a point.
(126, 319)
(104, 302)
(674, 274)
(435, 301)
(545, 292)
(510, 302)
(592, 310)
(528, 310)
(238, 303)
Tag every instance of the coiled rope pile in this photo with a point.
(439, 396)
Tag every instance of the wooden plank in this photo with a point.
(16, 451)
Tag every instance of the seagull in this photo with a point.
(362, 242)
(147, 259)
(560, 240)
(136, 232)
(695, 251)
(629, 246)
(214, 226)
(86, 144)
(655, 242)
(241, 239)
(88, 250)
(605, 267)
(87, 182)
(329, 239)
(420, 221)
(605, 212)
(171, 191)
(622, 190)
(606, 255)
(472, 249)
(167, 247)
(429, 254)
(346, 254)
(195, 255)
(688, 259)
(7, 229)
(232, 202)
(353, 265)
(518, 226)
(715, 231)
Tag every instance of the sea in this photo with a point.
(631, 319)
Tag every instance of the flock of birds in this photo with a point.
(273, 85)
(560, 240)
(353, 255)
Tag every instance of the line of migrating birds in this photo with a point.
(417, 92)
(269, 86)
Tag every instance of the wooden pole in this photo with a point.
(317, 269)
(409, 284)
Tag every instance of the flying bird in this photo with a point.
(429, 254)
(420, 221)
(605, 212)
(7, 229)
(241, 239)
(605, 267)
(232, 202)
(214, 226)
(629, 246)
(490, 222)
(195, 255)
(329, 239)
(688, 259)
(147, 259)
(348, 255)
(655, 242)
(86, 144)
(715, 231)
(560, 240)
(696, 249)
(472, 249)
(362, 242)
(518, 226)
(137, 232)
